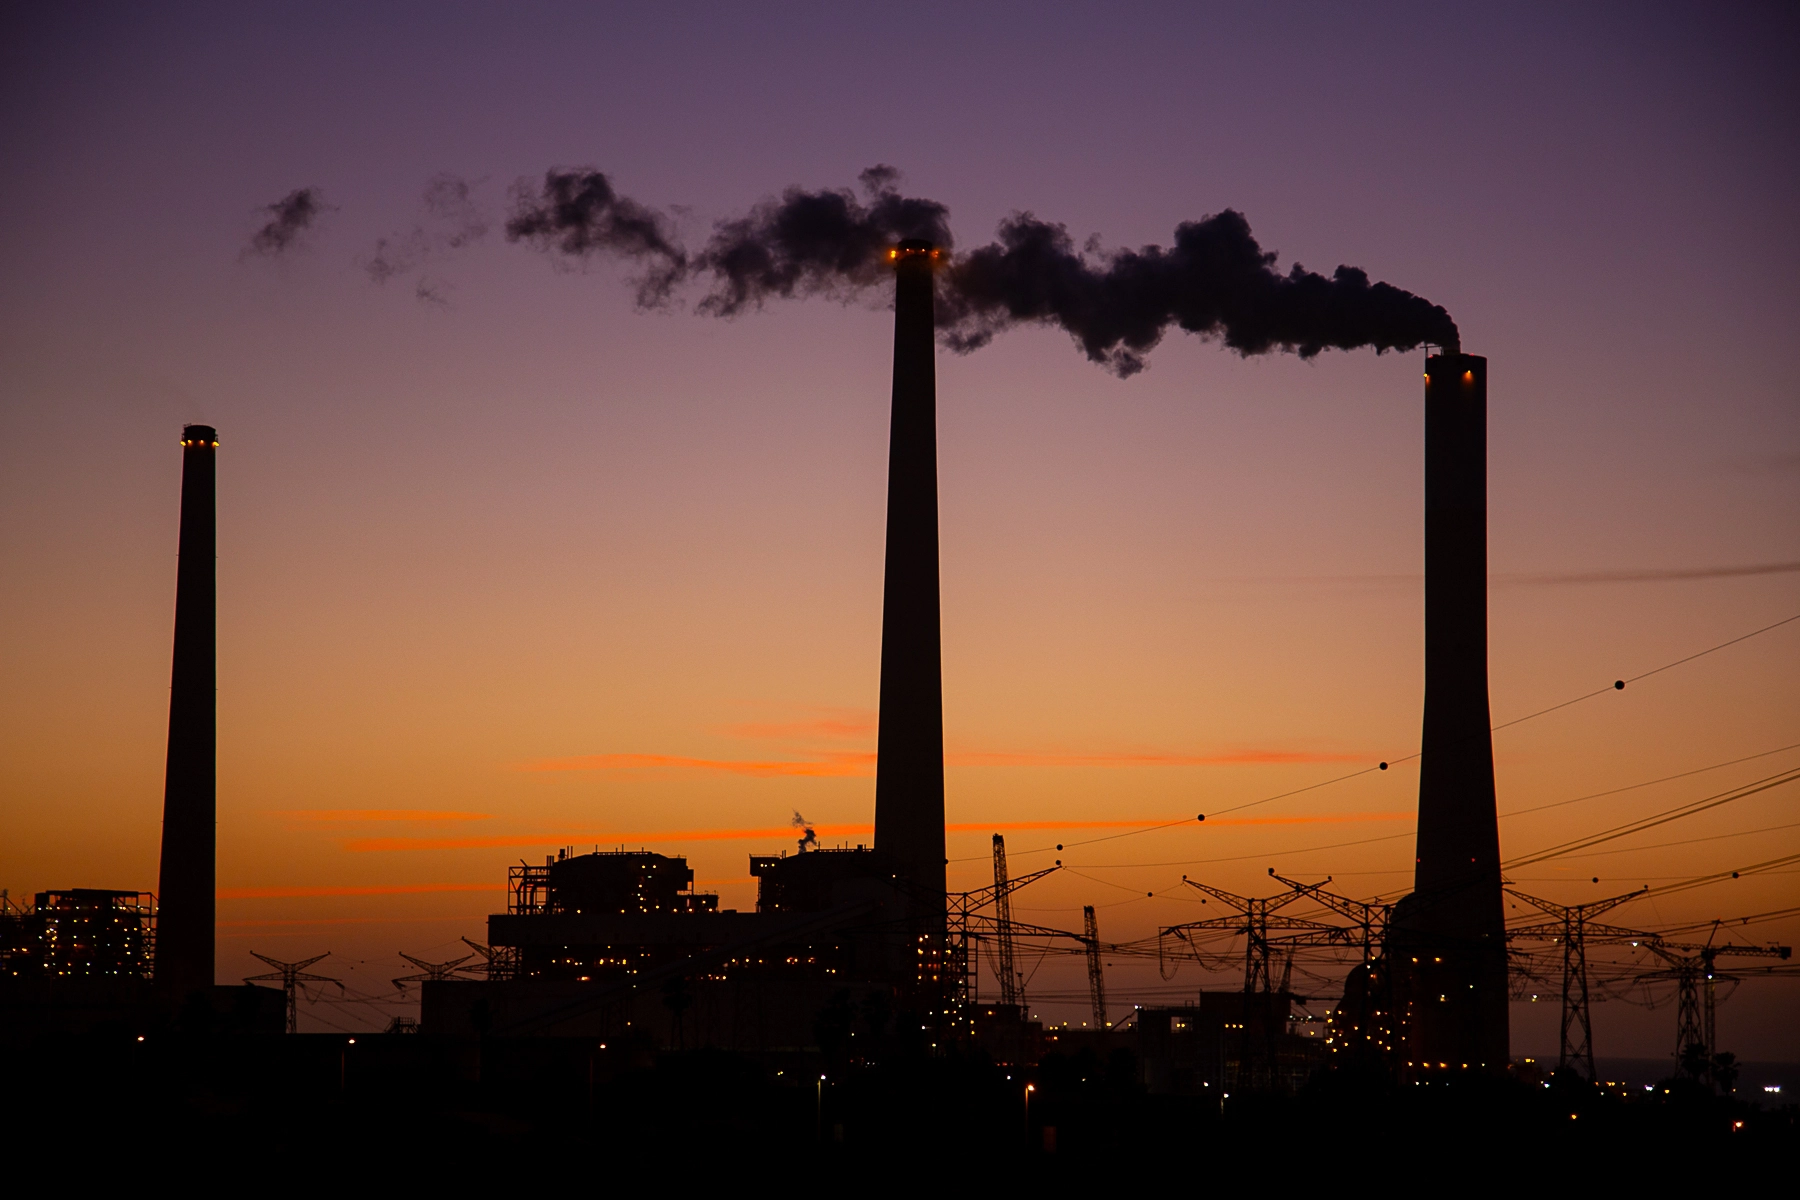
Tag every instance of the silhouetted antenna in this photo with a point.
(291, 976)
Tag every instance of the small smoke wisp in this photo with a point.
(450, 220)
(809, 840)
(577, 214)
(289, 220)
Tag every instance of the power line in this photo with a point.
(1617, 685)
(1519, 812)
(1674, 814)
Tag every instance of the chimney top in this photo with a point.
(914, 249)
(199, 435)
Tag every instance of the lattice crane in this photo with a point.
(1090, 930)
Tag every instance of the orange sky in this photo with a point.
(530, 568)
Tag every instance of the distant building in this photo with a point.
(614, 941)
(1226, 1041)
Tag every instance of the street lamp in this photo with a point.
(1029, 1088)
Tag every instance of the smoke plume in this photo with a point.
(1216, 281)
(808, 243)
(577, 214)
(289, 219)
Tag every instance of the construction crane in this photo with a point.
(1691, 966)
(1012, 987)
(291, 975)
(1573, 926)
(1090, 930)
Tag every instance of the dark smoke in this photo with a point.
(289, 219)
(577, 213)
(808, 243)
(1215, 281)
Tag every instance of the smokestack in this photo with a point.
(909, 770)
(1453, 1003)
(184, 934)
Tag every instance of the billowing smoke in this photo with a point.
(1216, 281)
(577, 214)
(810, 243)
(289, 219)
(450, 220)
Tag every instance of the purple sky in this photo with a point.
(532, 523)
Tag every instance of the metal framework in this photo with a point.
(430, 972)
(1696, 979)
(1254, 917)
(1012, 988)
(966, 925)
(1090, 929)
(1573, 926)
(291, 975)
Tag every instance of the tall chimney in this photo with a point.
(1450, 960)
(184, 923)
(909, 770)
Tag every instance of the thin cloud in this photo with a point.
(405, 889)
(1653, 576)
(1234, 758)
(833, 763)
(839, 725)
(343, 816)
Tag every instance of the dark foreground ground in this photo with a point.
(275, 1112)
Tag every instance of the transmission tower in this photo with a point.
(965, 923)
(1573, 926)
(291, 975)
(1012, 988)
(1696, 1032)
(499, 961)
(1090, 930)
(1254, 918)
(430, 972)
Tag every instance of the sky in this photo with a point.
(508, 564)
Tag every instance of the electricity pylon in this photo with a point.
(500, 962)
(1090, 929)
(290, 976)
(1574, 926)
(1255, 918)
(1696, 1033)
(430, 972)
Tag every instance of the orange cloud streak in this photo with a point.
(413, 889)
